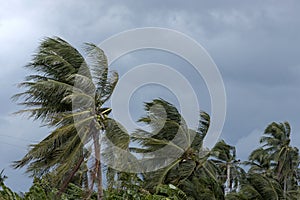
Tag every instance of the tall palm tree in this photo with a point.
(67, 93)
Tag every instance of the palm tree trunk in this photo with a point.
(228, 185)
(67, 181)
(284, 188)
(98, 171)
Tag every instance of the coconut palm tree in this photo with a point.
(284, 157)
(67, 92)
(277, 159)
(166, 123)
(224, 155)
(190, 169)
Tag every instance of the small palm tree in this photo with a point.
(224, 156)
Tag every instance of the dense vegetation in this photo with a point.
(66, 164)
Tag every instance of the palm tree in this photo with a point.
(277, 160)
(67, 93)
(190, 169)
(224, 156)
(285, 158)
(165, 122)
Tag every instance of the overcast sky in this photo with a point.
(255, 44)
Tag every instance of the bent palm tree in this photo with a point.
(67, 93)
(190, 169)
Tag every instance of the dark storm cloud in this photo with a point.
(255, 44)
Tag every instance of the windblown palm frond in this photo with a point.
(258, 186)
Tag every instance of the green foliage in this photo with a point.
(163, 192)
(5, 192)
